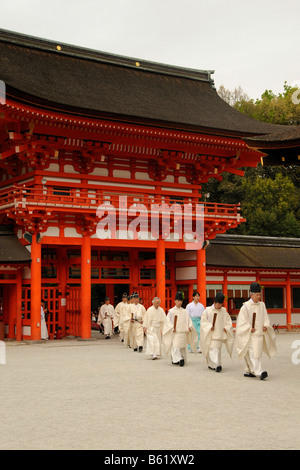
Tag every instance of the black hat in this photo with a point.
(179, 296)
(220, 297)
(255, 288)
(136, 295)
(124, 295)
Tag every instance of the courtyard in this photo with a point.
(97, 395)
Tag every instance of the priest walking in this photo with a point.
(254, 334)
(119, 315)
(216, 330)
(154, 322)
(136, 332)
(106, 317)
(183, 332)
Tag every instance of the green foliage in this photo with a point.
(270, 207)
(270, 200)
(271, 108)
(269, 196)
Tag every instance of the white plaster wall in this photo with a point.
(71, 232)
(51, 232)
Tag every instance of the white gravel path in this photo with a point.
(71, 394)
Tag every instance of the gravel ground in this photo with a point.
(96, 394)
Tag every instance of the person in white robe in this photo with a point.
(216, 330)
(153, 323)
(126, 317)
(136, 332)
(182, 333)
(119, 314)
(106, 317)
(195, 310)
(254, 334)
(44, 329)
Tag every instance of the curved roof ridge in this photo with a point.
(74, 79)
(72, 50)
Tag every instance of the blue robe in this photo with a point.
(196, 322)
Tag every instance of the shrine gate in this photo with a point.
(81, 129)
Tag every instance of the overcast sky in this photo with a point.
(249, 43)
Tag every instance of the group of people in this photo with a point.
(200, 329)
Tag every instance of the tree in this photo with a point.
(270, 207)
(232, 97)
(279, 109)
(269, 196)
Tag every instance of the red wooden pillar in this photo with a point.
(161, 272)
(86, 287)
(288, 299)
(191, 291)
(134, 256)
(201, 275)
(12, 308)
(19, 305)
(5, 305)
(36, 278)
(110, 292)
(62, 273)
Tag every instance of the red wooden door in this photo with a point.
(73, 315)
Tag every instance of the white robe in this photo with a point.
(106, 316)
(126, 317)
(175, 342)
(119, 317)
(154, 321)
(262, 341)
(136, 332)
(250, 346)
(44, 330)
(212, 340)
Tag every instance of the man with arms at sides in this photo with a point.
(183, 332)
(254, 334)
(154, 322)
